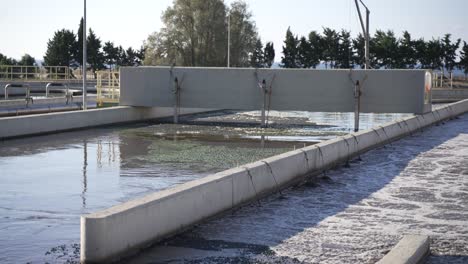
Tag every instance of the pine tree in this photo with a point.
(60, 49)
(463, 64)
(315, 42)
(330, 44)
(4, 60)
(257, 58)
(290, 51)
(95, 56)
(304, 51)
(449, 52)
(407, 52)
(111, 54)
(269, 54)
(344, 56)
(78, 52)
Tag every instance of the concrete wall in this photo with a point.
(57, 122)
(112, 233)
(449, 95)
(383, 91)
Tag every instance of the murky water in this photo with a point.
(47, 182)
(356, 214)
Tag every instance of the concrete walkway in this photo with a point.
(356, 214)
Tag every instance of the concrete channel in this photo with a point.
(120, 230)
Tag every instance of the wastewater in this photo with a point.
(47, 182)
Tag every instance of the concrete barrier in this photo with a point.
(20, 126)
(412, 249)
(449, 95)
(110, 234)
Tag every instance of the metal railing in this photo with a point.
(34, 73)
(108, 86)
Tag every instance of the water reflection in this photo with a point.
(85, 178)
(40, 203)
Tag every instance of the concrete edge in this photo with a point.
(49, 123)
(411, 249)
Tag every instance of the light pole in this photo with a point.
(365, 30)
(229, 41)
(84, 59)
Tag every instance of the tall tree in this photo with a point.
(257, 58)
(430, 53)
(4, 60)
(315, 42)
(95, 55)
(269, 54)
(290, 51)
(463, 64)
(195, 34)
(345, 52)
(449, 52)
(111, 54)
(386, 49)
(407, 52)
(330, 44)
(78, 53)
(27, 60)
(304, 53)
(244, 34)
(60, 49)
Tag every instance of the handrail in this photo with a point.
(34, 73)
(68, 95)
(16, 85)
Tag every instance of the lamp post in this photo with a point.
(84, 59)
(365, 30)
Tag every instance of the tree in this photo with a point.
(257, 58)
(195, 34)
(407, 52)
(386, 49)
(304, 53)
(449, 52)
(290, 51)
(111, 54)
(95, 56)
(132, 57)
(430, 54)
(269, 54)
(463, 64)
(344, 56)
(27, 60)
(4, 60)
(315, 42)
(330, 44)
(78, 53)
(244, 34)
(60, 49)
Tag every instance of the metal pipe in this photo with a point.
(229, 41)
(357, 105)
(264, 90)
(366, 32)
(84, 58)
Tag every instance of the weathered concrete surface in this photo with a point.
(56, 122)
(449, 95)
(383, 91)
(116, 231)
(412, 249)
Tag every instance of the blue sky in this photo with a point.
(26, 25)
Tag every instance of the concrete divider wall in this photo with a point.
(55, 122)
(122, 229)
